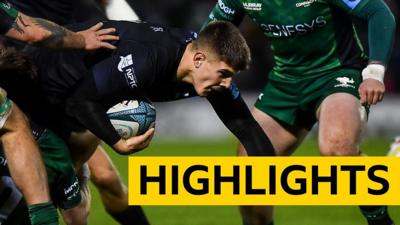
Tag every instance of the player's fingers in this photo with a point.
(107, 37)
(107, 45)
(96, 26)
(105, 31)
(363, 97)
(381, 96)
(370, 97)
(375, 98)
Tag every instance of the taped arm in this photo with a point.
(236, 116)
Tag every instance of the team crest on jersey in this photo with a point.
(252, 6)
(345, 82)
(305, 4)
(124, 62)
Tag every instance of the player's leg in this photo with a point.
(285, 140)
(79, 214)
(113, 191)
(82, 146)
(65, 186)
(23, 155)
(340, 125)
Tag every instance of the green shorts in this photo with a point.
(63, 183)
(294, 102)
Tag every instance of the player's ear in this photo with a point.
(198, 59)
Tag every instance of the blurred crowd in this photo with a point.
(191, 14)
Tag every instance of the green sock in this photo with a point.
(43, 214)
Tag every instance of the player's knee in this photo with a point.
(338, 147)
(105, 178)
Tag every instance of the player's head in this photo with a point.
(16, 64)
(219, 52)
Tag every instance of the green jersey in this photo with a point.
(308, 37)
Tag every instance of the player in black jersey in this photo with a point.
(151, 61)
(168, 64)
(159, 63)
(19, 146)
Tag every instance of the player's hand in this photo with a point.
(371, 91)
(97, 38)
(134, 144)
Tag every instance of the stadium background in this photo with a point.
(179, 132)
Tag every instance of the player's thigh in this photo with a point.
(340, 118)
(285, 139)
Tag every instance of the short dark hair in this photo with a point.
(15, 63)
(226, 41)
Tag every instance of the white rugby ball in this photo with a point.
(133, 117)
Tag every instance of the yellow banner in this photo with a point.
(264, 181)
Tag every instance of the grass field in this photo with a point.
(222, 215)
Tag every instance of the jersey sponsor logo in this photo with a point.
(293, 29)
(6, 5)
(124, 62)
(345, 82)
(225, 8)
(157, 29)
(305, 3)
(130, 77)
(252, 6)
(125, 65)
(72, 187)
(351, 3)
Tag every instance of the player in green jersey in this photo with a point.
(321, 73)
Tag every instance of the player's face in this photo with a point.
(211, 75)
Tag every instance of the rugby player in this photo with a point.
(171, 64)
(321, 73)
(103, 174)
(19, 146)
(64, 187)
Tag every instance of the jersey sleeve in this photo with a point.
(227, 10)
(115, 79)
(381, 25)
(234, 113)
(8, 15)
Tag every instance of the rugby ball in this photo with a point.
(133, 117)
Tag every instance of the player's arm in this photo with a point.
(48, 34)
(85, 105)
(235, 114)
(227, 10)
(381, 31)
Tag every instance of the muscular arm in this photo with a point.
(381, 26)
(234, 113)
(48, 34)
(381, 29)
